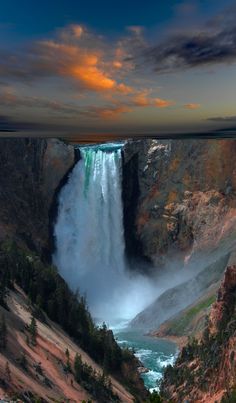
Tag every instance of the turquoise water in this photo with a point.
(155, 354)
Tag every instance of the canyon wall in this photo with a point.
(179, 196)
(182, 201)
(205, 370)
(31, 172)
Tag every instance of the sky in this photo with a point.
(89, 69)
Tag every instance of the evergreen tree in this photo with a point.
(78, 367)
(7, 372)
(33, 331)
(68, 366)
(3, 332)
(23, 361)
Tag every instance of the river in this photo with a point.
(154, 353)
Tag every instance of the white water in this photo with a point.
(90, 239)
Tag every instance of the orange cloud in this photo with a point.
(124, 89)
(84, 65)
(92, 77)
(162, 103)
(112, 113)
(77, 30)
(117, 64)
(192, 106)
(141, 99)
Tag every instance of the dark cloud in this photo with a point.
(212, 45)
(6, 124)
(10, 99)
(25, 64)
(223, 119)
(10, 124)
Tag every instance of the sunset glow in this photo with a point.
(81, 77)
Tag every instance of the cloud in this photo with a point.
(6, 124)
(223, 119)
(11, 99)
(110, 112)
(74, 53)
(192, 106)
(10, 124)
(162, 103)
(85, 66)
(143, 99)
(213, 44)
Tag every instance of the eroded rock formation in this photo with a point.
(186, 201)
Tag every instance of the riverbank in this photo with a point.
(154, 353)
(180, 341)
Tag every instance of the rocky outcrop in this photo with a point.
(205, 371)
(31, 172)
(186, 200)
(224, 308)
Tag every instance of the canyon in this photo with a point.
(179, 218)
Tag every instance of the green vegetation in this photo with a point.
(68, 366)
(98, 385)
(229, 397)
(33, 331)
(3, 332)
(208, 353)
(23, 362)
(48, 292)
(154, 398)
(178, 326)
(7, 372)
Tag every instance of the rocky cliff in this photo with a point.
(179, 196)
(31, 172)
(183, 197)
(205, 370)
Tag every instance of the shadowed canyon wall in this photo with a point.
(31, 171)
(186, 196)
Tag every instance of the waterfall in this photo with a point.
(89, 235)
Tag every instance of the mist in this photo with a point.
(90, 243)
(90, 240)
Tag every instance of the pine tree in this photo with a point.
(7, 372)
(33, 331)
(68, 366)
(23, 361)
(78, 367)
(3, 332)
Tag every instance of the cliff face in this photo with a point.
(205, 371)
(31, 171)
(186, 200)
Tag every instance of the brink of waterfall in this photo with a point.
(90, 239)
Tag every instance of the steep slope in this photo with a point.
(46, 297)
(43, 372)
(183, 197)
(177, 298)
(205, 370)
(190, 322)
